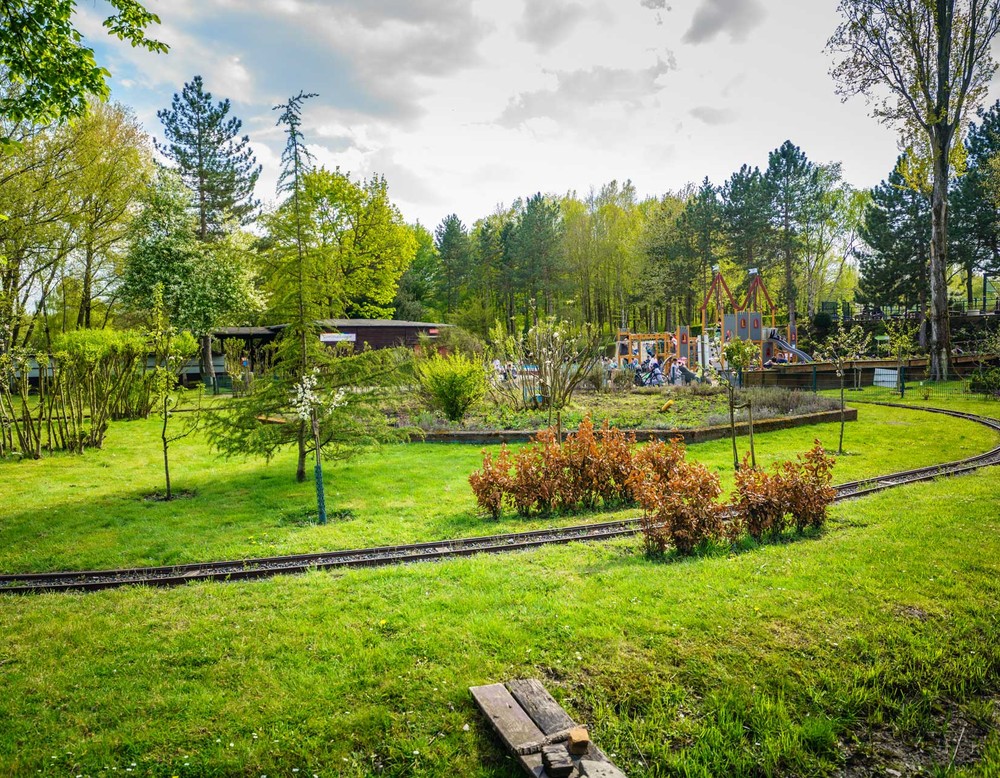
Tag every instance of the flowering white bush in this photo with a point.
(307, 397)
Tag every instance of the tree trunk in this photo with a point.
(86, 291)
(300, 468)
(840, 444)
(166, 445)
(206, 358)
(940, 345)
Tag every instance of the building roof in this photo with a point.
(338, 323)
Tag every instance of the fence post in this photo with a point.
(814, 378)
(902, 382)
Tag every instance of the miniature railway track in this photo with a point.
(265, 567)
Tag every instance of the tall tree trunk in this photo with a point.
(300, 467)
(86, 292)
(206, 358)
(940, 345)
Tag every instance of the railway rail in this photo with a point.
(265, 567)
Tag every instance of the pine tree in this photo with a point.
(455, 250)
(897, 231)
(215, 162)
(746, 209)
(793, 183)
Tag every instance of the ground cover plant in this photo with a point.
(64, 512)
(771, 661)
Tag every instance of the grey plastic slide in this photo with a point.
(784, 345)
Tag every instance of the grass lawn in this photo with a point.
(783, 659)
(67, 512)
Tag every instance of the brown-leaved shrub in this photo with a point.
(808, 486)
(680, 511)
(492, 484)
(760, 503)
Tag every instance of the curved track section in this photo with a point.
(265, 567)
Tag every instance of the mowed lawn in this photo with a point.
(66, 512)
(780, 660)
(872, 645)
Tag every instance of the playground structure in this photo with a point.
(723, 319)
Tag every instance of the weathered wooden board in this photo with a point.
(524, 715)
(514, 726)
(547, 714)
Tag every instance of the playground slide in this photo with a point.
(784, 345)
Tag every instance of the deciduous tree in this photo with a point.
(927, 65)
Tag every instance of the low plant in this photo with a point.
(808, 487)
(682, 511)
(451, 384)
(760, 502)
(492, 483)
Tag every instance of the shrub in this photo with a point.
(808, 487)
(760, 503)
(617, 451)
(492, 483)
(654, 462)
(451, 384)
(985, 381)
(539, 483)
(682, 511)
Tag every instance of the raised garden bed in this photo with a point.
(696, 435)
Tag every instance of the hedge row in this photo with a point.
(680, 499)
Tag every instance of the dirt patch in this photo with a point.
(957, 741)
(911, 612)
(179, 494)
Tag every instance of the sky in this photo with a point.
(467, 104)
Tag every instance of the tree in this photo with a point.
(357, 244)
(927, 65)
(113, 170)
(739, 355)
(204, 286)
(415, 300)
(843, 346)
(793, 184)
(215, 163)
(213, 160)
(975, 198)
(746, 212)
(896, 233)
(43, 53)
(455, 250)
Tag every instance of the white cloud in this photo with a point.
(734, 17)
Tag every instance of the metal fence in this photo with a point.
(896, 383)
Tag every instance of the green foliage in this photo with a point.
(354, 248)
(205, 285)
(551, 361)
(451, 384)
(985, 380)
(740, 354)
(43, 52)
(263, 420)
(215, 163)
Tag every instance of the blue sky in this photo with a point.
(465, 104)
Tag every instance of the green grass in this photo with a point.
(67, 512)
(769, 661)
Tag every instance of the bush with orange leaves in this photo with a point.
(760, 502)
(808, 487)
(590, 468)
(681, 509)
(491, 485)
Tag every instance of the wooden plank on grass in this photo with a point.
(547, 714)
(514, 726)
